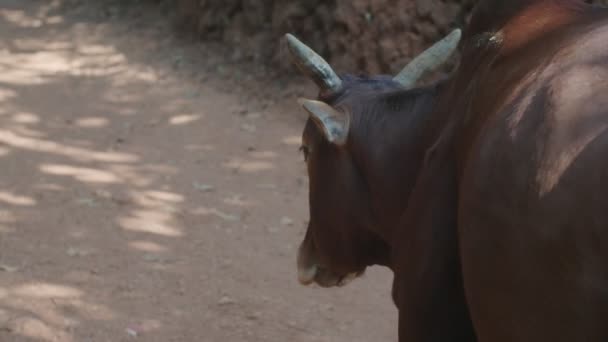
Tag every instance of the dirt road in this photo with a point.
(142, 197)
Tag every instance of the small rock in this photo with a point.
(226, 217)
(151, 258)
(253, 316)
(273, 230)
(178, 61)
(203, 187)
(103, 194)
(241, 110)
(248, 128)
(77, 252)
(132, 332)
(327, 307)
(89, 202)
(9, 269)
(253, 116)
(158, 259)
(193, 95)
(286, 221)
(225, 300)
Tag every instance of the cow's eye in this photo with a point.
(305, 151)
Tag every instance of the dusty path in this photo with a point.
(139, 201)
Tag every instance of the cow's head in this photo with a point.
(342, 238)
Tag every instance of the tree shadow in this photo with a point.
(132, 205)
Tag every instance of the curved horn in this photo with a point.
(333, 123)
(429, 60)
(313, 65)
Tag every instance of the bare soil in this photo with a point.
(151, 190)
(361, 35)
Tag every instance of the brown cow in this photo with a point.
(364, 145)
(530, 170)
(507, 206)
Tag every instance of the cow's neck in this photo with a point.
(390, 154)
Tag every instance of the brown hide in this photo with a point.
(520, 170)
(485, 195)
(359, 191)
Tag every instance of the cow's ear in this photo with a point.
(333, 123)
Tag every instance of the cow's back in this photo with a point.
(533, 203)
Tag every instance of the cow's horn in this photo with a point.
(334, 123)
(313, 65)
(429, 60)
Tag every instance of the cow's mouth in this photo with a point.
(326, 278)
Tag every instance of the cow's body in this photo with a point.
(504, 227)
(533, 181)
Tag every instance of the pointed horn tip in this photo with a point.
(456, 34)
(292, 40)
(304, 102)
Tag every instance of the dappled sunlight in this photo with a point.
(26, 118)
(183, 119)
(147, 246)
(263, 154)
(137, 200)
(92, 122)
(80, 173)
(132, 175)
(97, 49)
(37, 329)
(20, 18)
(38, 145)
(156, 214)
(32, 68)
(150, 221)
(17, 200)
(46, 290)
(162, 196)
(28, 132)
(49, 187)
(293, 140)
(47, 311)
(162, 200)
(33, 44)
(43, 63)
(574, 89)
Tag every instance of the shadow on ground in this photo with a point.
(136, 202)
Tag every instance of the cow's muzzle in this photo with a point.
(310, 271)
(324, 277)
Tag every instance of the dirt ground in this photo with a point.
(150, 191)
